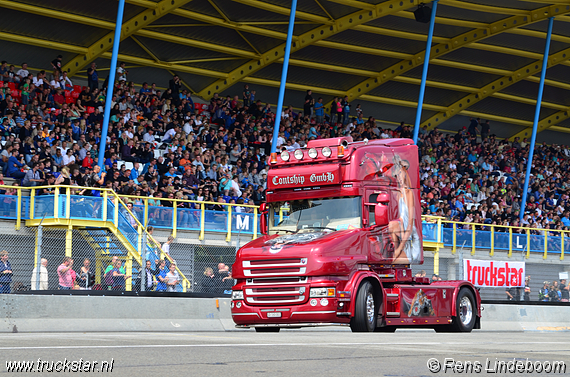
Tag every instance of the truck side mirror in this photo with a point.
(263, 218)
(383, 197)
(381, 214)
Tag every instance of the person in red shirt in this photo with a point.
(58, 99)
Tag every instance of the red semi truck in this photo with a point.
(342, 227)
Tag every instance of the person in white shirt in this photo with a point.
(39, 79)
(122, 72)
(166, 245)
(280, 140)
(69, 158)
(295, 145)
(149, 136)
(55, 84)
(23, 72)
(43, 276)
(188, 128)
(169, 135)
(65, 82)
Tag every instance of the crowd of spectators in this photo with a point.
(52, 130)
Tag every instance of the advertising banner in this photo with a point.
(304, 176)
(484, 273)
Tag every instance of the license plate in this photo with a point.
(274, 315)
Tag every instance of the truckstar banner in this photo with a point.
(483, 273)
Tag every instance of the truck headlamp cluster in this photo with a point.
(322, 292)
(237, 295)
(327, 152)
(298, 154)
(313, 153)
(285, 156)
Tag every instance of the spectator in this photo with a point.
(172, 278)
(119, 276)
(5, 272)
(92, 76)
(86, 275)
(160, 274)
(43, 281)
(64, 273)
(149, 276)
(564, 292)
(209, 281)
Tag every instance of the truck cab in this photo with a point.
(342, 227)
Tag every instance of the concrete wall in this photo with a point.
(30, 313)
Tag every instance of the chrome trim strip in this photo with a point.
(248, 273)
(309, 312)
(247, 264)
(392, 295)
(249, 292)
(270, 281)
(246, 314)
(393, 313)
(253, 300)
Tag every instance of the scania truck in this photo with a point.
(341, 231)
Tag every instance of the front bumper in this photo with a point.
(288, 316)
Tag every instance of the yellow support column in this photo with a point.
(229, 235)
(98, 266)
(67, 203)
(510, 242)
(129, 272)
(545, 244)
(454, 246)
(105, 199)
(492, 241)
(527, 243)
(255, 223)
(145, 212)
(32, 202)
(436, 262)
(68, 241)
(174, 218)
(56, 204)
(562, 246)
(116, 214)
(19, 210)
(202, 221)
(473, 239)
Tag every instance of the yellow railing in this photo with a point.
(22, 192)
(501, 229)
(105, 194)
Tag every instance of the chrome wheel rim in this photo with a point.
(465, 311)
(370, 308)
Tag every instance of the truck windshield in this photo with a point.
(315, 214)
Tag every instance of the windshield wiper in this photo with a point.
(285, 230)
(319, 227)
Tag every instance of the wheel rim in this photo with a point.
(465, 311)
(370, 308)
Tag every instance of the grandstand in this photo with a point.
(193, 113)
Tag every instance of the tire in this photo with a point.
(365, 310)
(466, 311)
(267, 329)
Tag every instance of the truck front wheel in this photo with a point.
(365, 311)
(466, 311)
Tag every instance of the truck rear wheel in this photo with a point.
(365, 311)
(267, 329)
(465, 311)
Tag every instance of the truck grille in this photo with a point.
(275, 267)
(269, 281)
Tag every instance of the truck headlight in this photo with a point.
(237, 295)
(285, 156)
(313, 153)
(322, 292)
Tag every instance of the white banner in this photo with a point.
(484, 273)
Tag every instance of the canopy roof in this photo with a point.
(485, 59)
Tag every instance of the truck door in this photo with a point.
(380, 244)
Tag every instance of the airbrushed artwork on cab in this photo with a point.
(277, 244)
(418, 305)
(393, 169)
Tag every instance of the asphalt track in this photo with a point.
(332, 352)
